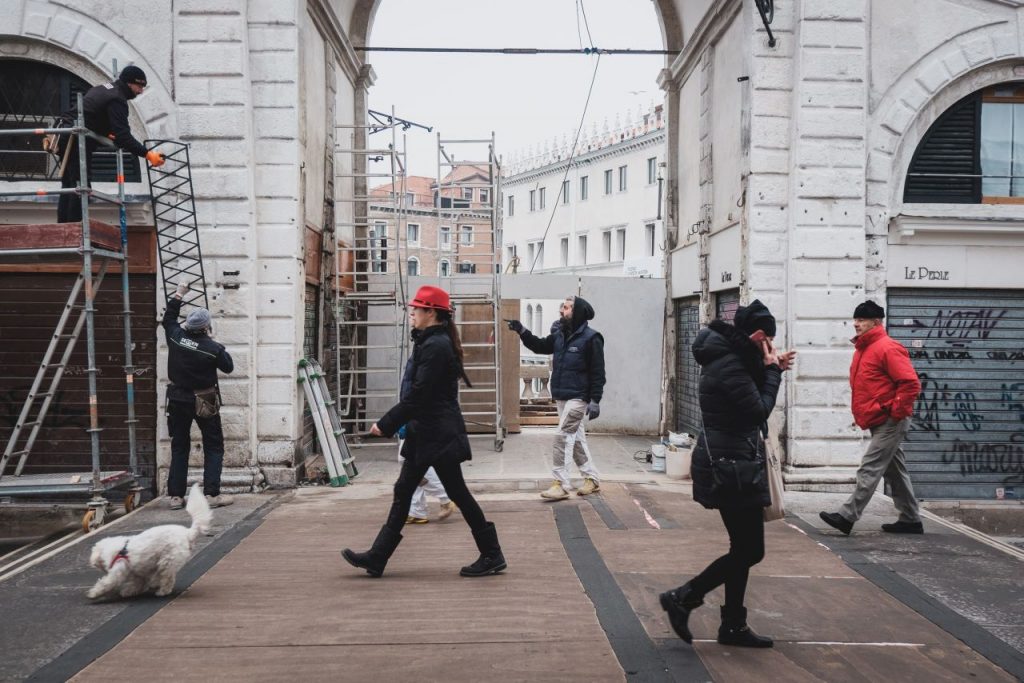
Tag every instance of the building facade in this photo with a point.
(872, 151)
(256, 89)
(598, 213)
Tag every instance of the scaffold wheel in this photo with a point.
(499, 445)
(129, 502)
(90, 515)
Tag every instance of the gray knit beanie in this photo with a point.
(198, 319)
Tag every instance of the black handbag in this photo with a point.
(735, 476)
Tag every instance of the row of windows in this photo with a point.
(538, 197)
(613, 248)
(412, 234)
(444, 267)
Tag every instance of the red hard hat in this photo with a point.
(431, 297)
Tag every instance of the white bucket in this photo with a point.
(677, 463)
(657, 457)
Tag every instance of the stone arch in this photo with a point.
(364, 12)
(78, 43)
(974, 60)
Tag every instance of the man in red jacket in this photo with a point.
(885, 387)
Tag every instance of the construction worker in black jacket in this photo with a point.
(193, 359)
(106, 114)
(577, 385)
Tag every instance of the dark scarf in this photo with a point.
(749, 353)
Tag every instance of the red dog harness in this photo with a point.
(122, 554)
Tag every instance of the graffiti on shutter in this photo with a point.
(967, 433)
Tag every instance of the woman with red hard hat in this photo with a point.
(435, 435)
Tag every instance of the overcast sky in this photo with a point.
(524, 99)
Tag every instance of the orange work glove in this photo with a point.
(155, 158)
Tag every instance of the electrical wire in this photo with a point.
(592, 50)
(568, 163)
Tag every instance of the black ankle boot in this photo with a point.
(678, 603)
(491, 561)
(734, 630)
(376, 558)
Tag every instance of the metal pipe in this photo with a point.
(129, 367)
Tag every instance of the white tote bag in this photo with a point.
(777, 509)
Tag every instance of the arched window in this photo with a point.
(32, 95)
(444, 268)
(538, 323)
(413, 266)
(529, 314)
(974, 152)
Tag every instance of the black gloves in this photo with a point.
(593, 410)
(515, 326)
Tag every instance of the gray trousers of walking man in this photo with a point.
(884, 459)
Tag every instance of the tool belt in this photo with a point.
(207, 402)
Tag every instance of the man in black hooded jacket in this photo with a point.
(106, 114)
(577, 385)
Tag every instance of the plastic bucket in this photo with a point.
(657, 457)
(677, 463)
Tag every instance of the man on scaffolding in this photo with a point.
(106, 114)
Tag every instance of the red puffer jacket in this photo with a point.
(883, 381)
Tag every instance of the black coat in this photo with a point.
(578, 367)
(106, 114)
(193, 359)
(429, 403)
(737, 393)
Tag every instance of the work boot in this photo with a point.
(416, 520)
(901, 527)
(837, 521)
(556, 492)
(589, 486)
(376, 558)
(491, 560)
(446, 510)
(219, 501)
(176, 503)
(734, 630)
(678, 603)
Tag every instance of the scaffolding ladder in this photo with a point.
(370, 286)
(468, 199)
(177, 229)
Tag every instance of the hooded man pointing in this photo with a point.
(577, 385)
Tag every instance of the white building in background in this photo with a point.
(597, 214)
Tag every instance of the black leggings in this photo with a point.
(746, 548)
(450, 475)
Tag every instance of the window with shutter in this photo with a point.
(946, 167)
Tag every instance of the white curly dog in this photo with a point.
(150, 561)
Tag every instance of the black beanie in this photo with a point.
(869, 310)
(753, 317)
(132, 74)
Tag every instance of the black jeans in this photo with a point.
(450, 475)
(179, 422)
(69, 206)
(746, 548)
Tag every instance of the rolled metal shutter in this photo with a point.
(30, 306)
(687, 417)
(726, 304)
(967, 433)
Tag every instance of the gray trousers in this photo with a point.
(884, 459)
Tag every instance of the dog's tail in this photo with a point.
(199, 510)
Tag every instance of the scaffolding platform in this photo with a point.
(49, 242)
(94, 245)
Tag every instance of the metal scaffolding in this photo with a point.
(50, 372)
(372, 283)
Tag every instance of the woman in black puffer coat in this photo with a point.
(739, 381)
(435, 435)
